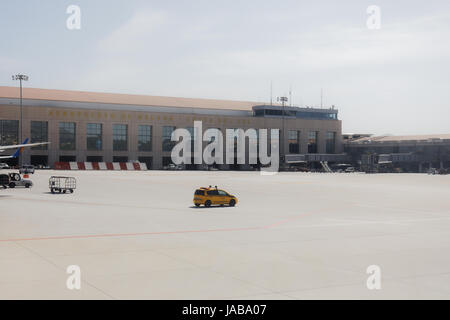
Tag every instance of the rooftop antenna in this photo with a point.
(290, 96)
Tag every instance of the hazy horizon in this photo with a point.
(388, 81)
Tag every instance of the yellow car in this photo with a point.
(211, 196)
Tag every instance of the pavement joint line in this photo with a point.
(111, 235)
(61, 269)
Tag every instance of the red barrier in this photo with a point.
(123, 166)
(95, 166)
(62, 166)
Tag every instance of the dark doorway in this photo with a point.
(94, 159)
(67, 158)
(38, 161)
(147, 160)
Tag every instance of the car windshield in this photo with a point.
(199, 192)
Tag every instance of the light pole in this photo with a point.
(20, 77)
(283, 102)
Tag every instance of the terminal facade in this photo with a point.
(103, 127)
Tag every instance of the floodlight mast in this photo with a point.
(283, 103)
(20, 77)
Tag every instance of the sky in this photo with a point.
(390, 80)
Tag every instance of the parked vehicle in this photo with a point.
(27, 169)
(350, 170)
(4, 180)
(4, 166)
(15, 180)
(211, 196)
(62, 184)
(172, 166)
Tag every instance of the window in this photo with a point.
(39, 133)
(212, 193)
(199, 192)
(120, 137)
(94, 136)
(312, 141)
(145, 138)
(331, 142)
(293, 140)
(67, 135)
(9, 132)
(222, 193)
(167, 144)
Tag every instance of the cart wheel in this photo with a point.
(71, 190)
(64, 191)
(59, 190)
(52, 190)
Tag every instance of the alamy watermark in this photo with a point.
(234, 145)
(374, 20)
(73, 22)
(73, 282)
(374, 280)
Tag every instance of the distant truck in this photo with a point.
(27, 169)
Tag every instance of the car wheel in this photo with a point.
(208, 203)
(27, 185)
(52, 190)
(71, 190)
(64, 191)
(12, 185)
(197, 205)
(232, 203)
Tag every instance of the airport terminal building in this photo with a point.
(105, 127)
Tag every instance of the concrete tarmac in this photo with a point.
(137, 235)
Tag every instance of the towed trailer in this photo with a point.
(62, 184)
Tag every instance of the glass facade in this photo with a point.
(294, 141)
(145, 138)
(312, 141)
(9, 132)
(331, 142)
(94, 132)
(120, 137)
(167, 144)
(39, 133)
(67, 136)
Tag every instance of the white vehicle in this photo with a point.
(4, 166)
(15, 180)
(26, 169)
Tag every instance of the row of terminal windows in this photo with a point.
(294, 142)
(94, 137)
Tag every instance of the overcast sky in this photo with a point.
(393, 80)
